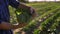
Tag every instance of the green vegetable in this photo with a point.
(23, 15)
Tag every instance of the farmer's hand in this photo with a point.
(22, 25)
(33, 12)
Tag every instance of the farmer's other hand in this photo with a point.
(33, 12)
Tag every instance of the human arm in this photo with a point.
(17, 4)
(7, 26)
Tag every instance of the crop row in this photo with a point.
(44, 26)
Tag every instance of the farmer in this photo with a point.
(5, 26)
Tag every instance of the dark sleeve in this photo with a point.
(14, 3)
(0, 18)
(0, 21)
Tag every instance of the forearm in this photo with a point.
(22, 5)
(7, 26)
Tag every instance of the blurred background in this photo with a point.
(48, 21)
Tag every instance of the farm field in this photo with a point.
(47, 22)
